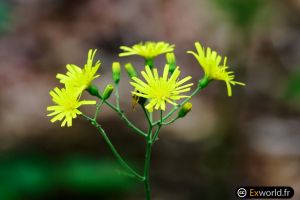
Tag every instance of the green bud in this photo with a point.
(170, 57)
(185, 109)
(116, 72)
(107, 91)
(130, 70)
(203, 82)
(93, 90)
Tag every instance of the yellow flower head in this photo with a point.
(210, 62)
(147, 50)
(160, 90)
(67, 100)
(78, 77)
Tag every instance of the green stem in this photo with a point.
(99, 104)
(158, 127)
(124, 118)
(147, 116)
(151, 117)
(170, 122)
(148, 154)
(113, 149)
(117, 96)
(147, 164)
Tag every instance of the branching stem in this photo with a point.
(124, 118)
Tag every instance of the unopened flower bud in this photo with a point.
(116, 72)
(107, 91)
(185, 109)
(170, 57)
(130, 70)
(93, 90)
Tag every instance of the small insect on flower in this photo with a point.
(148, 50)
(210, 62)
(67, 100)
(137, 100)
(159, 90)
(81, 77)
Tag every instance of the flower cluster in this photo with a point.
(154, 90)
(76, 80)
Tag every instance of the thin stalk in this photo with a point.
(112, 148)
(147, 116)
(170, 122)
(99, 104)
(151, 117)
(147, 164)
(148, 154)
(117, 96)
(158, 127)
(124, 118)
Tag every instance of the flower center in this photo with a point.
(161, 90)
(70, 106)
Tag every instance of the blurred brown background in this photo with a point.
(251, 138)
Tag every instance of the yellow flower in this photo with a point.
(78, 77)
(148, 50)
(210, 62)
(160, 90)
(67, 100)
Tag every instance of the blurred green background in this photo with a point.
(251, 138)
